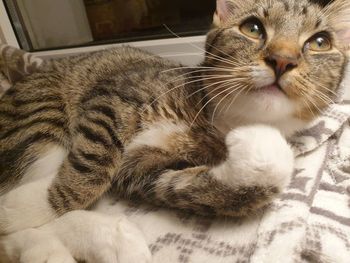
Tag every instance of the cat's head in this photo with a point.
(277, 58)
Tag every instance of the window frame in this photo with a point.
(7, 33)
(186, 50)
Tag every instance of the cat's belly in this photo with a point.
(27, 204)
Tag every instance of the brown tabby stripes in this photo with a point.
(141, 126)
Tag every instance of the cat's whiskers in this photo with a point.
(306, 83)
(322, 86)
(200, 70)
(242, 87)
(176, 87)
(209, 70)
(194, 67)
(221, 86)
(324, 97)
(206, 52)
(224, 84)
(250, 87)
(211, 77)
(306, 103)
(214, 75)
(307, 95)
(221, 59)
(305, 99)
(172, 32)
(218, 70)
(313, 102)
(235, 88)
(204, 69)
(204, 78)
(201, 78)
(206, 87)
(304, 95)
(150, 56)
(230, 102)
(207, 103)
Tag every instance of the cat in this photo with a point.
(209, 140)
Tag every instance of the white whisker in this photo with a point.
(233, 100)
(223, 85)
(218, 104)
(234, 63)
(207, 103)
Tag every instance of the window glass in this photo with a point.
(48, 24)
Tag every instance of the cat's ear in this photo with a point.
(338, 12)
(224, 9)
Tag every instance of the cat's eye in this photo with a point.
(319, 42)
(253, 28)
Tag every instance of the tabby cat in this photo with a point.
(206, 139)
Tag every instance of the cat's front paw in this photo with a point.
(33, 246)
(124, 243)
(95, 237)
(132, 245)
(42, 254)
(259, 156)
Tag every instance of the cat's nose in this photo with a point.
(281, 64)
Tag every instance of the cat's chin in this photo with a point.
(267, 106)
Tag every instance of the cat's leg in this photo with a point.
(258, 165)
(84, 235)
(88, 170)
(80, 177)
(65, 181)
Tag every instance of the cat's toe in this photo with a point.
(46, 254)
(60, 258)
(116, 241)
(132, 246)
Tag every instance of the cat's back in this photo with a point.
(74, 74)
(121, 62)
(122, 76)
(66, 81)
(130, 71)
(46, 106)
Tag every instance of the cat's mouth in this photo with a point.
(273, 88)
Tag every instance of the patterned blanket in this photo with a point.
(310, 222)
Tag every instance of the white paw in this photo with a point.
(100, 238)
(132, 246)
(34, 246)
(44, 254)
(121, 242)
(258, 156)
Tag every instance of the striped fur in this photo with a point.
(107, 110)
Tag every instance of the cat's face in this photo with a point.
(277, 58)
